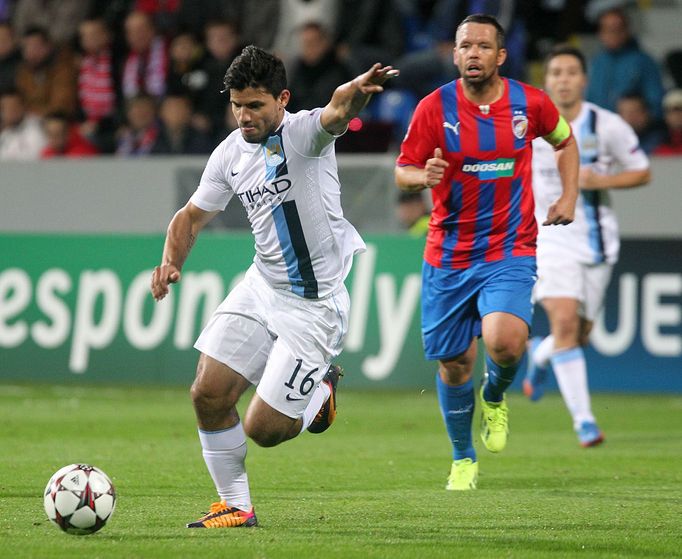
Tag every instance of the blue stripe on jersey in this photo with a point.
(295, 250)
(448, 96)
(450, 224)
(587, 140)
(486, 133)
(591, 199)
(484, 218)
(519, 107)
(514, 216)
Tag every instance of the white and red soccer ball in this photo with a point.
(80, 499)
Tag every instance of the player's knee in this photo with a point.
(566, 328)
(207, 400)
(506, 352)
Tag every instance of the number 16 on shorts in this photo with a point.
(289, 382)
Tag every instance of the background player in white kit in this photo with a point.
(575, 262)
(283, 324)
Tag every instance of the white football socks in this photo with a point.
(570, 370)
(225, 454)
(320, 396)
(543, 353)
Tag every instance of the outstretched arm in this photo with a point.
(591, 180)
(349, 99)
(182, 233)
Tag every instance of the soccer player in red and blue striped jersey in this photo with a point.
(470, 143)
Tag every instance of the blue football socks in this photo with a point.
(499, 378)
(457, 407)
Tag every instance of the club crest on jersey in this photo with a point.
(520, 125)
(274, 154)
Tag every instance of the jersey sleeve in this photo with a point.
(307, 136)
(624, 145)
(213, 192)
(420, 140)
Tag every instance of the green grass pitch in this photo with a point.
(371, 487)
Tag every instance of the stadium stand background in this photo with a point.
(83, 216)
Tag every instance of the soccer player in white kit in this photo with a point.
(283, 324)
(575, 262)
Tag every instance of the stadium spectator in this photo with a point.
(621, 67)
(634, 111)
(424, 69)
(296, 13)
(177, 135)
(97, 84)
(64, 138)
(470, 142)
(257, 27)
(413, 213)
(10, 57)
(223, 44)
(575, 263)
(21, 135)
(46, 76)
(138, 136)
(426, 23)
(164, 14)
(186, 75)
(6, 9)
(61, 17)
(673, 63)
(281, 327)
(368, 31)
(316, 71)
(672, 142)
(146, 66)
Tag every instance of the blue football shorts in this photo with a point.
(454, 301)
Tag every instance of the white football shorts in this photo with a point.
(561, 276)
(277, 340)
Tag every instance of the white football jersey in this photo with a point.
(608, 144)
(290, 188)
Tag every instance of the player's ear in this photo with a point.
(283, 99)
(501, 57)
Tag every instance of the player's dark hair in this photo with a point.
(566, 49)
(486, 20)
(256, 68)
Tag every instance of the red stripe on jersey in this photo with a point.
(470, 222)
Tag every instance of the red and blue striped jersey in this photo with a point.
(483, 208)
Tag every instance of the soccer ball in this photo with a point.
(80, 499)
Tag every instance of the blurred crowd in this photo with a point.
(145, 77)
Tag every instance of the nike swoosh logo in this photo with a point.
(233, 173)
(293, 399)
